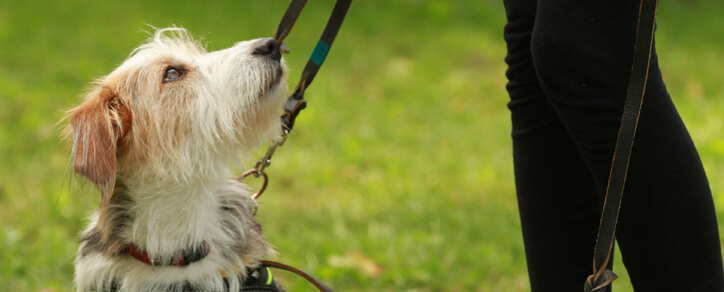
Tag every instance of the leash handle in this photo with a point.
(602, 276)
(316, 282)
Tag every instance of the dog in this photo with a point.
(157, 136)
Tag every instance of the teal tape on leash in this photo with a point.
(320, 53)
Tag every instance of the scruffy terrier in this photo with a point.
(157, 136)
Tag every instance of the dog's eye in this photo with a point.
(173, 74)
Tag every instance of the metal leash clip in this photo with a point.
(263, 163)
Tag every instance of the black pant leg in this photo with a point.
(559, 206)
(667, 230)
(582, 52)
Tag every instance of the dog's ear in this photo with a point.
(96, 127)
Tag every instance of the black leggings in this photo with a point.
(569, 63)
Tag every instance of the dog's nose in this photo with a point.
(268, 47)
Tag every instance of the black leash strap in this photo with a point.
(295, 102)
(289, 19)
(602, 276)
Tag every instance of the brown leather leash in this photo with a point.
(295, 102)
(603, 276)
(311, 279)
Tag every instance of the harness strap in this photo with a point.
(261, 280)
(602, 276)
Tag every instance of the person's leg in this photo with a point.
(557, 197)
(668, 234)
(667, 229)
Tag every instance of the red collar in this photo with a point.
(182, 258)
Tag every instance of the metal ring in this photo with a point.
(256, 173)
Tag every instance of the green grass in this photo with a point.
(399, 174)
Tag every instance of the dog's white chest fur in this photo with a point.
(157, 137)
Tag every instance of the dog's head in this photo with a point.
(174, 110)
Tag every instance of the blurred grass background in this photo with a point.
(398, 176)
